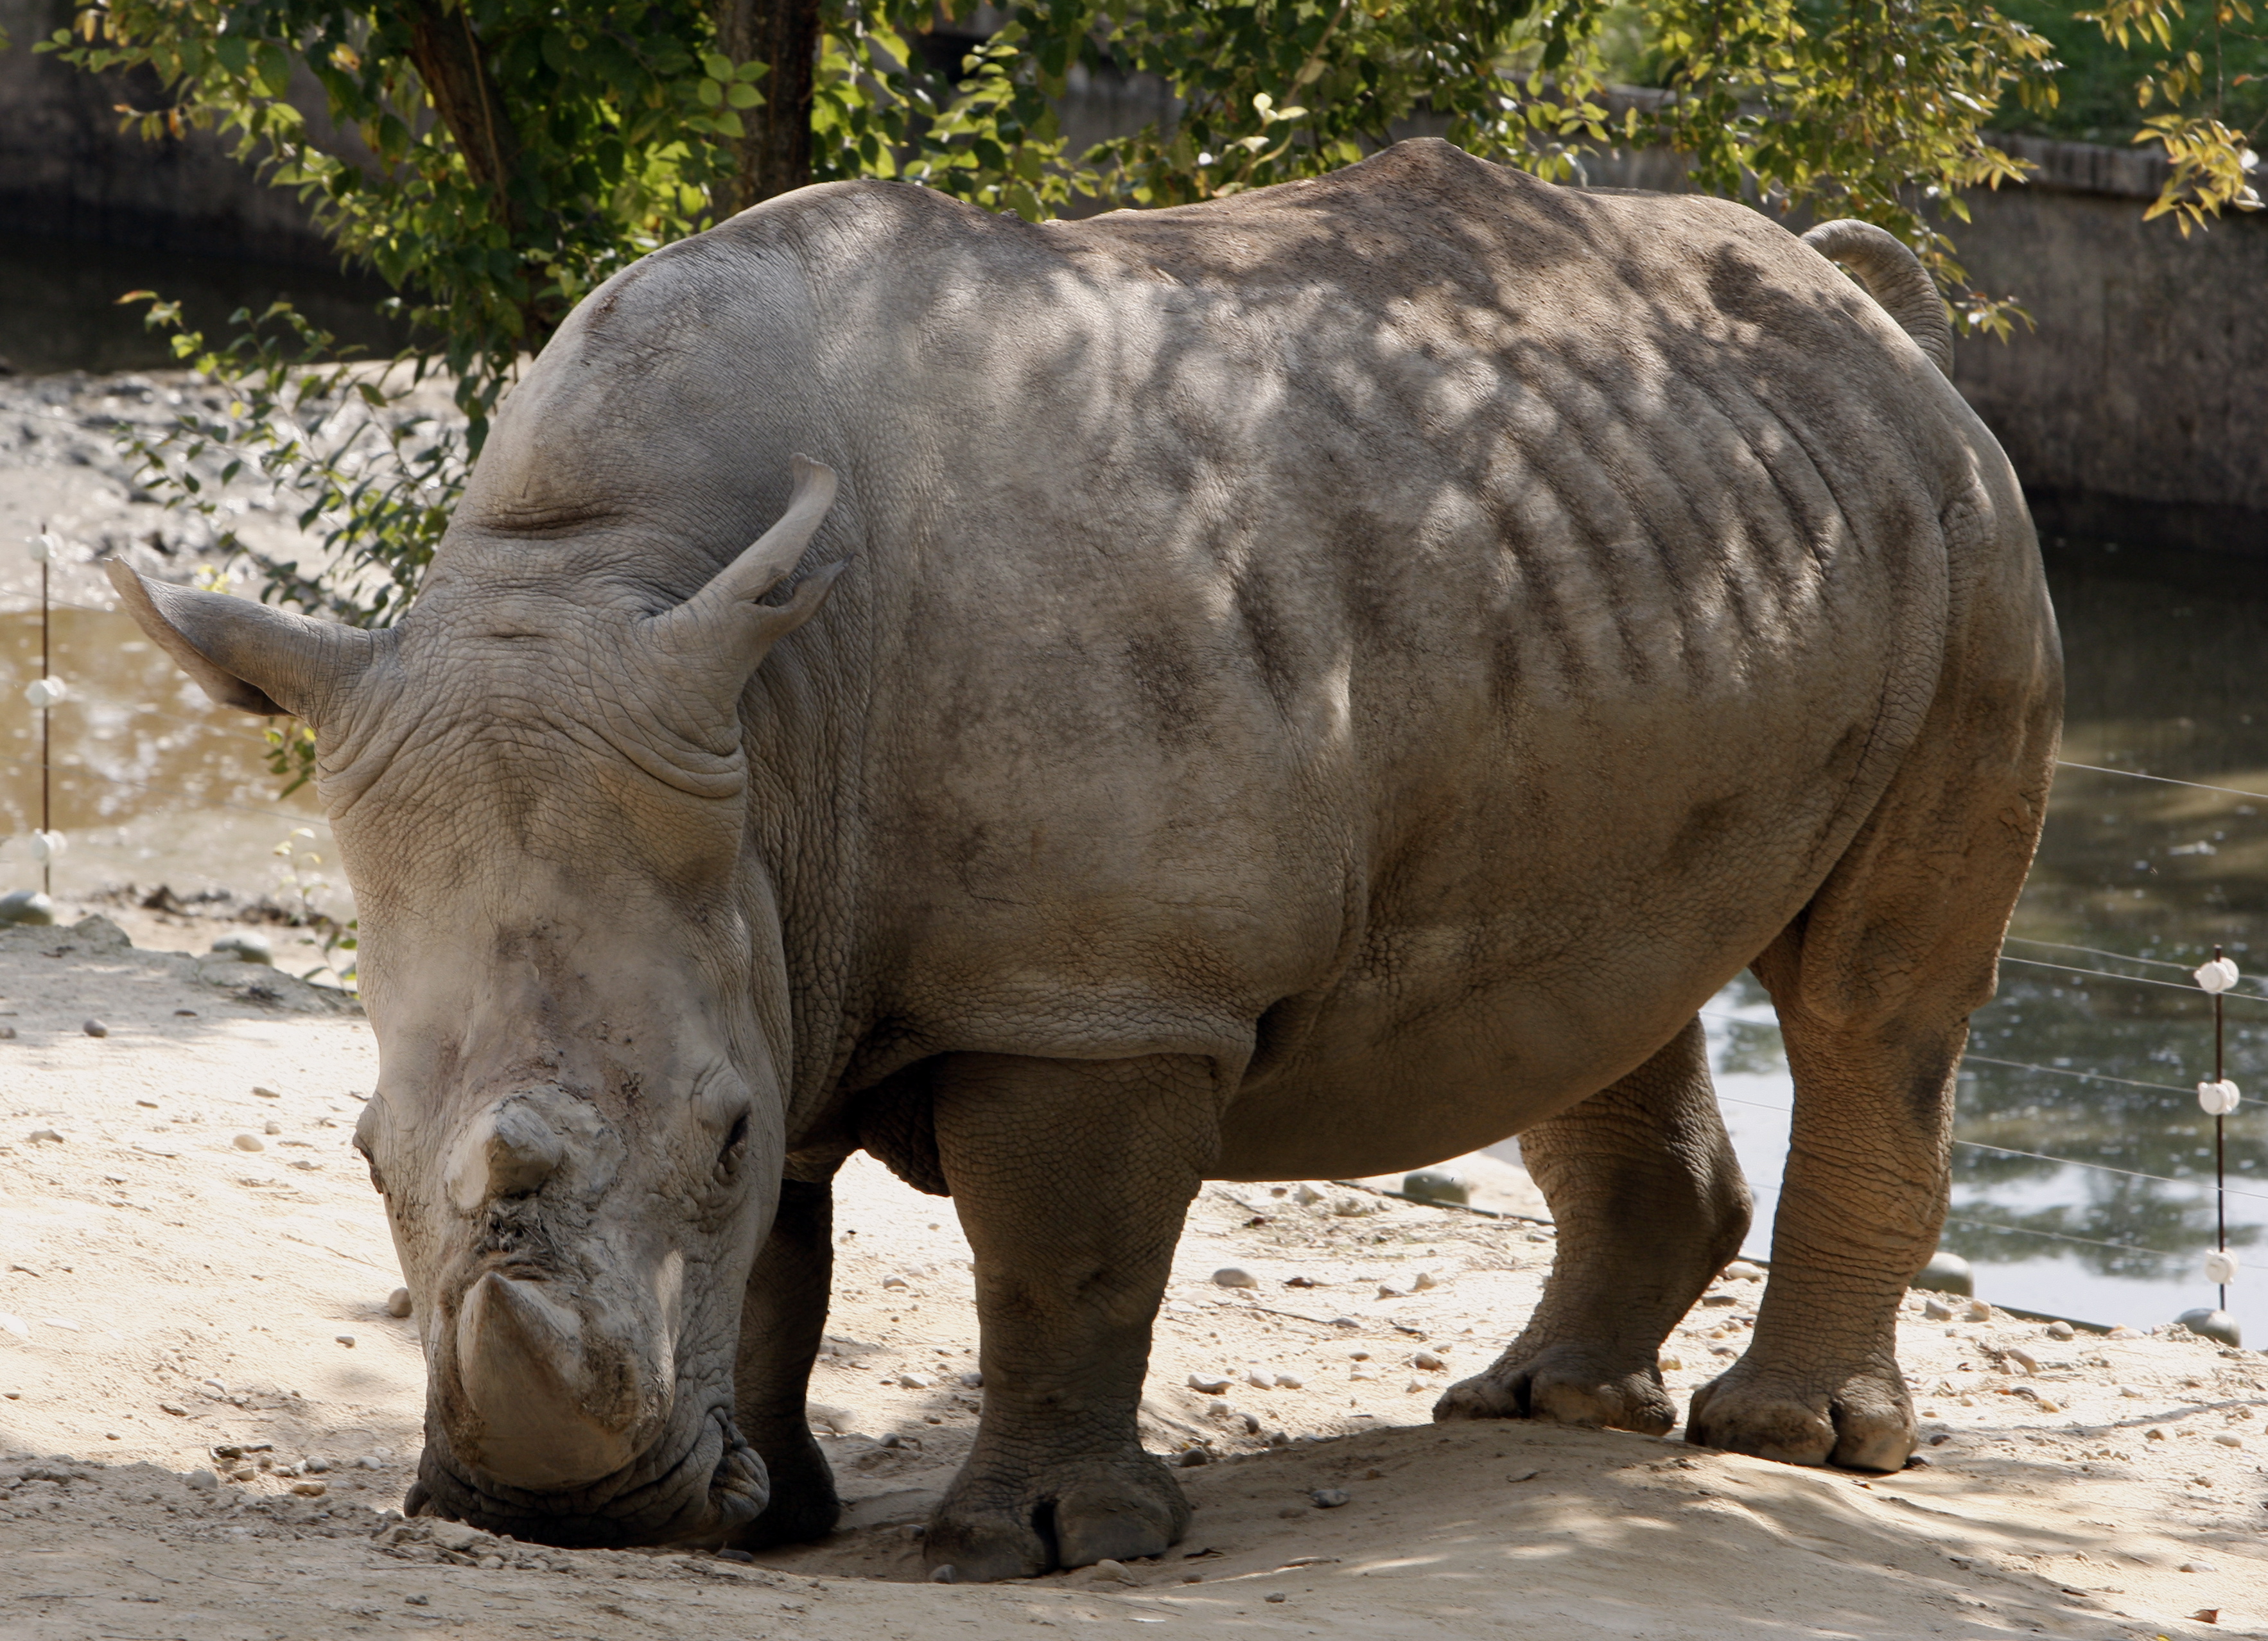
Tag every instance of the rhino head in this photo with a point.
(540, 796)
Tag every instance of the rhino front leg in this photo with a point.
(1650, 1205)
(783, 1321)
(1071, 1180)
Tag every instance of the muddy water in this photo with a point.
(152, 784)
(2091, 1052)
(2066, 1067)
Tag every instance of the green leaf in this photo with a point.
(273, 66)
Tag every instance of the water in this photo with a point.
(151, 782)
(2162, 652)
(155, 785)
(62, 312)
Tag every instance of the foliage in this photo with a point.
(496, 159)
(2192, 86)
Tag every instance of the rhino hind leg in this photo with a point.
(1874, 983)
(1650, 1203)
(783, 1321)
(1071, 1180)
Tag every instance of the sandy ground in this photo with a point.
(167, 1294)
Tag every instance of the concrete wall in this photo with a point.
(67, 172)
(2138, 409)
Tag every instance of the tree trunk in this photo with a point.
(775, 156)
(446, 55)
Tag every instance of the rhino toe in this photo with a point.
(1861, 1420)
(1565, 1385)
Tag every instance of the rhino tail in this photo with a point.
(1895, 277)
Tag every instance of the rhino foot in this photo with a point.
(803, 1506)
(1861, 1419)
(1075, 1514)
(1567, 1384)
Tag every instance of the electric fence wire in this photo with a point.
(1767, 1192)
(1976, 1058)
(2009, 1151)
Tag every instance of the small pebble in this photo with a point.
(1207, 1384)
(972, 1380)
(203, 1480)
(2024, 1359)
(1192, 1457)
(2227, 1440)
(371, 1461)
(249, 1142)
(1977, 1310)
(1718, 1302)
(1257, 1380)
(266, 1094)
(1331, 1498)
(916, 1382)
(316, 1465)
(1277, 1596)
(417, 1600)
(1937, 1310)
(895, 1281)
(2061, 1331)
(48, 1135)
(1422, 1281)
(1290, 1381)
(94, 1028)
(271, 1127)
(1234, 1276)
(346, 1339)
(2199, 1566)
(311, 1490)
(1668, 1364)
(1426, 1361)
(1741, 1270)
(943, 1575)
(1107, 1570)
(397, 1303)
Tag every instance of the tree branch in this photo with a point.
(775, 156)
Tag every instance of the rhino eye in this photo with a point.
(728, 1157)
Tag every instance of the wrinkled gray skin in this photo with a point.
(1329, 679)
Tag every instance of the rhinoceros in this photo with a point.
(1299, 686)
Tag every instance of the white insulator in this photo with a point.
(2220, 1267)
(47, 845)
(2218, 1099)
(44, 548)
(2218, 976)
(46, 692)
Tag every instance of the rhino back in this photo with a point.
(1368, 605)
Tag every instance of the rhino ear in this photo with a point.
(246, 655)
(724, 625)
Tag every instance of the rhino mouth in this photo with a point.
(716, 1484)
